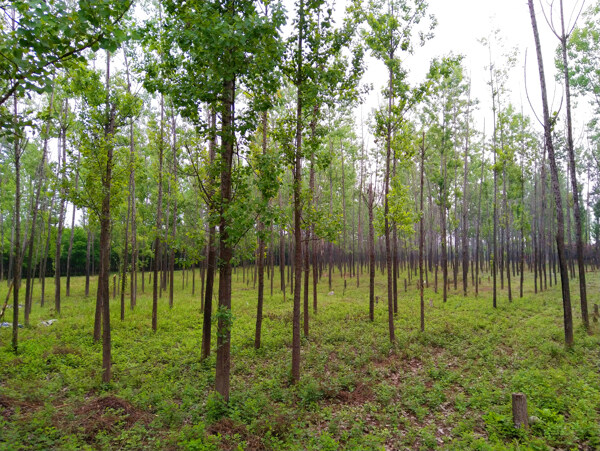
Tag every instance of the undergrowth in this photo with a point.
(447, 388)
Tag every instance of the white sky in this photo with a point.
(461, 23)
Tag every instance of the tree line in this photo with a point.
(203, 138)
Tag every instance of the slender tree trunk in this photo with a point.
(282, 253)
(386, 209)
(465, 249)
(574, 187)
(522, 237)
(103, 277)
(297, 190)
(298, 242)
(560, 242)
(443, 205)
(478, 226)
(17, 226)
(61, 216)
(134, 249)
(261, 252)
(422, 235)
(174, 225)
(330, 213)
(507, 236)
(360, 230)
(41, 182)
(211, 257)
(125, 255)
(223, 365)
(72, 236)
(87, 259)
(395, 269)
(157, 246)
(370, 204)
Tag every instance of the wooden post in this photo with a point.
(405, 285)
(519, 408)
(114, 286)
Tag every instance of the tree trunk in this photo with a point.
(422, 234)
(134, 250)
(223, 365)
(560, 242)
(124, 257)
(87, 259)
(41, 182)
(386, 209)
(17, 226)
(478, 226)
(72, 235)
(61, 214)
(157, 246)
(370, 204)
(465, 249)
(507, 236)
(211, 257)
(282, 253)
(261, 252)
(174, 226)
(574, 187)
(443, 205)
(103, 276)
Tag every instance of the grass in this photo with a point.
(447, 388)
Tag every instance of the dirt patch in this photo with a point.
(108, 414)
(360, 395)
(413, 365)
(231, 433)
(8, 406)
(278, 425)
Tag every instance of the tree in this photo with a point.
(244, 55)
(106, 108)
(560, 241)
(51, 35)
(563, 37)
(392, 26)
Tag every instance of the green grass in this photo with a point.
(447, 388)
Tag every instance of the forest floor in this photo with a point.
(447, 388)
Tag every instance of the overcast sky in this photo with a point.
(461, 23)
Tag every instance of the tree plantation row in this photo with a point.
(143, 138)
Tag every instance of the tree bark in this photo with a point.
(17, 221)
(41, 182)
(61, 214)
(574, 187)
(72, 235)
(560, 242)
(211, 250)
(103, 276)
(174, 225)
(370, 204)
(261, 252)
(223, 365)
(422, 235)
(297, 189)
(464, 246)
(157, 246)
(87, 259)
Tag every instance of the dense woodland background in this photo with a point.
(161, 161)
